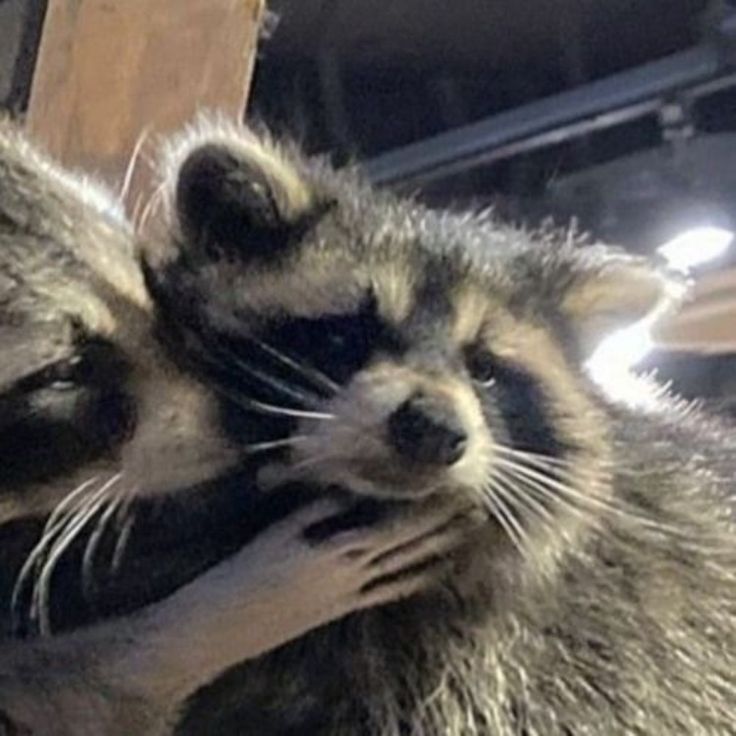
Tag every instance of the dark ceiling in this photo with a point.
(492, 35)
(342, 70)
(357, 78)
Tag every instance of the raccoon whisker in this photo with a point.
(569, 481)
(126, 519)
(53, 524)
(311, 461)
(259, 407)
(153, 202)
(558, 477)
(133, 161)
(306, 371)
(499, 513)
(93, 543)
(66, 506)
(510, 501)
(591, 502)
(288, 390)
(544, 494)
(275, 444)
(560, 468)
(552, 485)
(42, 590)
(40, 607)
(536, 490)
(534, 457)
(518, 487)
(557, 469)
(94, 501)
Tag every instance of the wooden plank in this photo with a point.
(110, 71)
(707, 324)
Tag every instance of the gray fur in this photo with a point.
(69, 277)
(619, 619)
(624, 623)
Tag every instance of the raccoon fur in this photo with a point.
(444, 355)
(287, 333)
(93, 418)
(127, 494)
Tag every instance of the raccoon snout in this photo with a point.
(426, 430)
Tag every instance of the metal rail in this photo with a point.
(594, 106)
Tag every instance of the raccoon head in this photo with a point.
(381, 347)
(92, 412)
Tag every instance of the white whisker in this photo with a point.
(134, 156)
(309, 372)
(40, 609)
(535, 506)
(273, 382)
(587, 502)
(260, 407)
(543, 493)
(534, 457)
(53, 524)
(496, 509)
(507, 502)
(311, 461)
(153, 202)
(93, 543)
(123, 535)
(275, 444)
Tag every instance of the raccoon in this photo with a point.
(441, 361)
(130, 570)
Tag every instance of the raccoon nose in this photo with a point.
(427, 431)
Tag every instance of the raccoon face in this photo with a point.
(93, 414)
(381, 347)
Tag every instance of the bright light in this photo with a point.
(624, 348)
(610, 367)
(696, 246)
(611, 363)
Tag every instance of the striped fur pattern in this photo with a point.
(599, 597)
(288, 332)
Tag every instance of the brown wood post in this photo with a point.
(111, 73)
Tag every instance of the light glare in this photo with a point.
(696, 246)
(611, 363)
(622, 350)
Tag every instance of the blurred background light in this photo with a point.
(611, 363)
(696, 246)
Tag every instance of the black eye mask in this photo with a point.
(520, 401)
(65, 413)
(338, 345)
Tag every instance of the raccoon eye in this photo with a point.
(65, 375)
(482, 366)
(95, 362)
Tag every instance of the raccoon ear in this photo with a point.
(242, 201)
(618, 294)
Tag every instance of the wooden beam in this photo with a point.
(707, 323)
(110, 72)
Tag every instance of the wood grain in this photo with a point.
(112, 71)
(707, 323)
